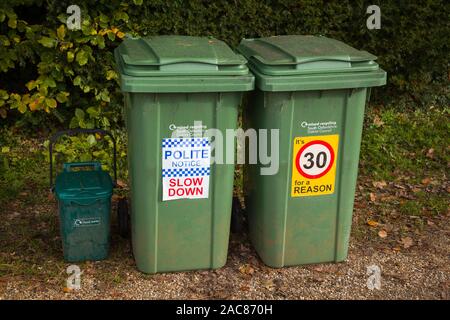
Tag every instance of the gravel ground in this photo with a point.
(422, 272)
(413, 255)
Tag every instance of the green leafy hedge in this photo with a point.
(49, 73)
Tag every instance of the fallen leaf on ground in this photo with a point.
(430, 153)
(67, 290)
(372, 223)
(269, 285)
(121, 184)
(14, 215)
(245, 288)
(382, 234)
(318, 268)
(388, 198)
(430, 223)
(377, 121)
(246, 269)
(426, 181)
(415, 189)
(407, 242)
(379, 184)
(373, 197)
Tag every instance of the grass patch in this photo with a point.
(22, 167)
(411, 208)
(413, 144)
(425, 203)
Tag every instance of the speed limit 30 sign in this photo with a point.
(314, 165)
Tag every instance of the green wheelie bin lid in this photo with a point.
(303, 62)
(163, 64)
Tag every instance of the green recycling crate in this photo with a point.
(314, 90)
(180, 203)
(84, 201)
(83, 191)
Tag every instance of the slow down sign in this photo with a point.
(185, 168)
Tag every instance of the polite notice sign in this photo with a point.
(185, 168)
(314, 165)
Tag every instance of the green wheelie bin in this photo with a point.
(314, 91)
(175, 89)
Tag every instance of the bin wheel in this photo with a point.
(237, 217)
(123, 217)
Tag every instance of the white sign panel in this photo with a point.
(185, 168)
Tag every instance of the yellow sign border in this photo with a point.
(308, 187)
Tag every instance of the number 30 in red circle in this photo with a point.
(314, 159)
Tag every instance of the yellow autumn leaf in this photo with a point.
(110, 74)
(120, 34)
(67, 290)
(51, 103)
(372, 223)
(379, 184)
(246, 269)
(33, 105)
(22, 107)
(61, 32)
(15, 96)
(26, 98)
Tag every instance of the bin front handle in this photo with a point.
(95, 165)
(74, 202)
(73, 132)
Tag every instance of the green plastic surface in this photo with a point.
(288, 230)
(179, 55)
(188, 64)
(325, 81)
(80, 184)
(294, 55)
(183, 234)
(84, 202)
(175, 81)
